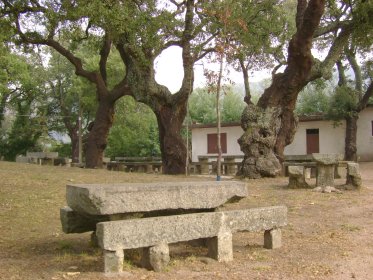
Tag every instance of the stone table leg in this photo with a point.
(272, 239)
(325, 175)
(113, 261)
(156, 257)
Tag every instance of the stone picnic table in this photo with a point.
(326, 168)
(153, 215)
(326, 165)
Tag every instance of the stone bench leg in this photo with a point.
(272, 239)
(113, 261)
(220, 247)
(156, 257)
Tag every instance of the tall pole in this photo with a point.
(80, 135)
(218, 89)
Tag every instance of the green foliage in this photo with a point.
(23, 103)
(314, 98)
(63, 149)
(343, 103)
(24, 134)
(68, 94)
(202, 106)
(134, 132)
(232, 107)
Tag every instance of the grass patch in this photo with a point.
(348, 227)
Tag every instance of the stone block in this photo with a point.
(325, 175)
(272, 238)
(113, 261)
(327, 159)
(297, 177)
(106, 199)
(74, 222)
(156, 257)
(220, 247)
(353, 180)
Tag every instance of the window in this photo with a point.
(212, 143)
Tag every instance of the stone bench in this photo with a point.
(141, 166)
(307, 166)
(154, 234)
(297, 177)
(353, 178)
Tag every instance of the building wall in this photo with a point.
(364, 136)
(199, 141)
(331, 139)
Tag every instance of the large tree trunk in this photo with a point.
(97, 137)
(271, 124)
(172, 144)
(350, 139)
(74, 147)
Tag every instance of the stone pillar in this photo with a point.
(220, 248)
(325, 175)
(113, 261)
(156, 257)
(272, 239)
(203, 161)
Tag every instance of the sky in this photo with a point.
(169, 71)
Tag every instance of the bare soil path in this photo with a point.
(329, 236)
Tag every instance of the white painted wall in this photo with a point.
(364, 136)
(199, 141)
(331, 139)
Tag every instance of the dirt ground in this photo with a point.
(329, 236)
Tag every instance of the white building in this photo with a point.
(314, 134)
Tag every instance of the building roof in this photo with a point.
(303, 118)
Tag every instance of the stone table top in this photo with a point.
(327, 159)
(108, 199)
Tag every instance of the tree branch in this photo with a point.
(188, 61)
(365, 100)
(351, 57)
(104, 54)
(324, 68)
(341, 74)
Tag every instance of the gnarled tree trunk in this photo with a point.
(171, 143)
(271, 124)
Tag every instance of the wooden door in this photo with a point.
(312, 140)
